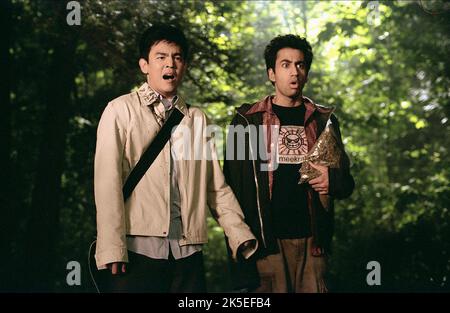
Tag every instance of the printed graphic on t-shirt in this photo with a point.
(292, 145)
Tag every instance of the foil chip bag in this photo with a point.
(326, 151)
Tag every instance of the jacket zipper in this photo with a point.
(256, 182)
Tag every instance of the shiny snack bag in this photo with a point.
(325, 151)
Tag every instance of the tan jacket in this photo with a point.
(125, 130)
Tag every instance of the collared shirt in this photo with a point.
(159, 247)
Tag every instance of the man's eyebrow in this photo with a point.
(167, 54)
(288, 61)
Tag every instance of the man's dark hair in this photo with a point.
(162, 32)
(287, 41)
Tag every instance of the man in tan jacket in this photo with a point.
(152, 242)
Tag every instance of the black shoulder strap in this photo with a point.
(151, 153)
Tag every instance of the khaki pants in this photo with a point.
(294, 269)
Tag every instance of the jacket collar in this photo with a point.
(265, 105)
(150, 97)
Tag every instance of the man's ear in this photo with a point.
(271, 75)
(143, 64)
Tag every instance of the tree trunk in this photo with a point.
(305, 17)
(7, 221)
(43, 268)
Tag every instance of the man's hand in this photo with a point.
(317, 251)
(114, 268)
(321, 183)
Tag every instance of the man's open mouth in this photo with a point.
(168, 77)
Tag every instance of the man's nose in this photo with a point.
(170, 63)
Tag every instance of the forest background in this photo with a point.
(384, 66)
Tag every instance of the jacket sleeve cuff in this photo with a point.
(110, 256)
(235, 243)
(249, 251)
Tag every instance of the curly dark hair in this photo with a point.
(287, 41)
(162, 32)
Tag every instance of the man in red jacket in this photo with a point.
(292, 225)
